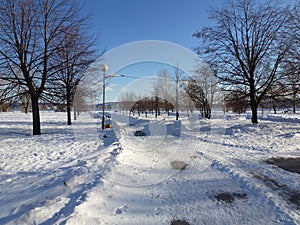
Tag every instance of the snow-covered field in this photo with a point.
(80, 174)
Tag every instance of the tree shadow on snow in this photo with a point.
(280, 119)
(109, 137)
(39, 187)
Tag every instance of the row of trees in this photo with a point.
(175, 91)
(254, 49)
(45, 48)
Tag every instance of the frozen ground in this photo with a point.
(80, 174)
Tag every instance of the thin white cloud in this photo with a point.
(111, 87)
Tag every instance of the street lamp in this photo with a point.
(104, 69)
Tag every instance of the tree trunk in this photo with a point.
(207, 109)
(69, 109)
(254, 113)
(74, 113)
(177, 85)
(274, 108)
(208, 113)
(69, 114)
(294, 102)
(253, 101)
(156, 107)
(35, 115)
(26, 109)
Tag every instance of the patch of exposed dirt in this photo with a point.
(179, 222)
(294, 198)
(288, 164)
(271, 183)
(290, 196)
(229, 197)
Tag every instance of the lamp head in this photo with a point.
(104, 67)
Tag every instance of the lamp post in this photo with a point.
(104, 69)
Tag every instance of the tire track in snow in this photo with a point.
(248, 182)
(251, 185)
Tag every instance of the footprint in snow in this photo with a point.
(121, 209)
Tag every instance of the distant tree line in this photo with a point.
(174, 92)
(45, 47)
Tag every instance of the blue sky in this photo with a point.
(119, 22)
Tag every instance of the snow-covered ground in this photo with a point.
(80, 174)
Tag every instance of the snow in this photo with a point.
(80, 174)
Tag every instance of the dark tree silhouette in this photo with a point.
(73, 59)
(246, 46)
(31, 34)
(197, 95)
(292, 64)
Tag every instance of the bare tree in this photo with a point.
(31, 34)
(206, 79)
(163, 89)
(292, 64)
(80, 103)
(277, 96)
(127, 100)
(74, 57)
(178, 74)
(246, 39)
(7, 94)
(25, 100)
(186, 102)
(294, 83)
(168, 88)
(198, 96)
(236, 102)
